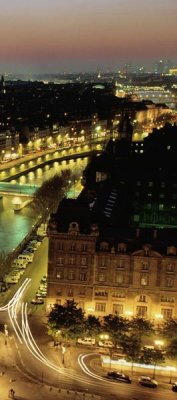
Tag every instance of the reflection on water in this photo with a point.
(14, 226)
(38, 176)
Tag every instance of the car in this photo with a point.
(37, 301)
(148, 381)
(174, 387)
(105, 343)
(88, 341)
(118, 376)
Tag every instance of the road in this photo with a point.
(27, 354)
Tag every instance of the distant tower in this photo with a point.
(125, 128)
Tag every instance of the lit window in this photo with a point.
(144, 280)
(117, 309)
(101, 307)
(142, 298)
(161, 207)
(59, 274)
(167, 313)
(141, 311)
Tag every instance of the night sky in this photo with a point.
(85, 35)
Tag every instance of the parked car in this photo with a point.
(148, 381)
(22, 264)
(174, 387)
(37, 301)
(118, 376)
(105, 343)
(26, 257)
(11, 279)
(87, 341)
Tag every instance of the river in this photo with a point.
(14, 226)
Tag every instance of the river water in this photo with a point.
(14, 226)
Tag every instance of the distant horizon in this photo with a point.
(149, 68)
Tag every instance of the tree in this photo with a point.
(48, 196)
(5, 263)
(131, 347)
(171, 352)
(67, 318)
(116, 326)
(169, 329)
(152, 357)
(140, 327)
(92, 326)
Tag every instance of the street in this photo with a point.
(30, 361)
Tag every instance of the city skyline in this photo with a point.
(52, 36)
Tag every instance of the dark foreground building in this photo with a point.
(114, 248)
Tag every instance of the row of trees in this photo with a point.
(71, 323)
(50, 193)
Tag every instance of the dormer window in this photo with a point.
(104, 246)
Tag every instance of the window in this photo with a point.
(103, 263)
(70, 292)
(73, 247)
(120, 264)
(100, 293)
(162, 185)
(59, 274)
(83, 276)
(84, 247)
(119, 278)
(161, 207)
(59, 292)
(167, 313)
(101, 307)
(118, 294)
(145, 266)
(84, 261)
(142, 298)
(60, 261)
(141, 311)
(161, 195)
(150, 184)
(71, 275)
(167, 299)
(170, 282)
(138, 183)
(101, 277)
(58, 301)
(82, 291)
(117, 309)
(170, 268)
(144, 280)
(60, 246)
(72, 260)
